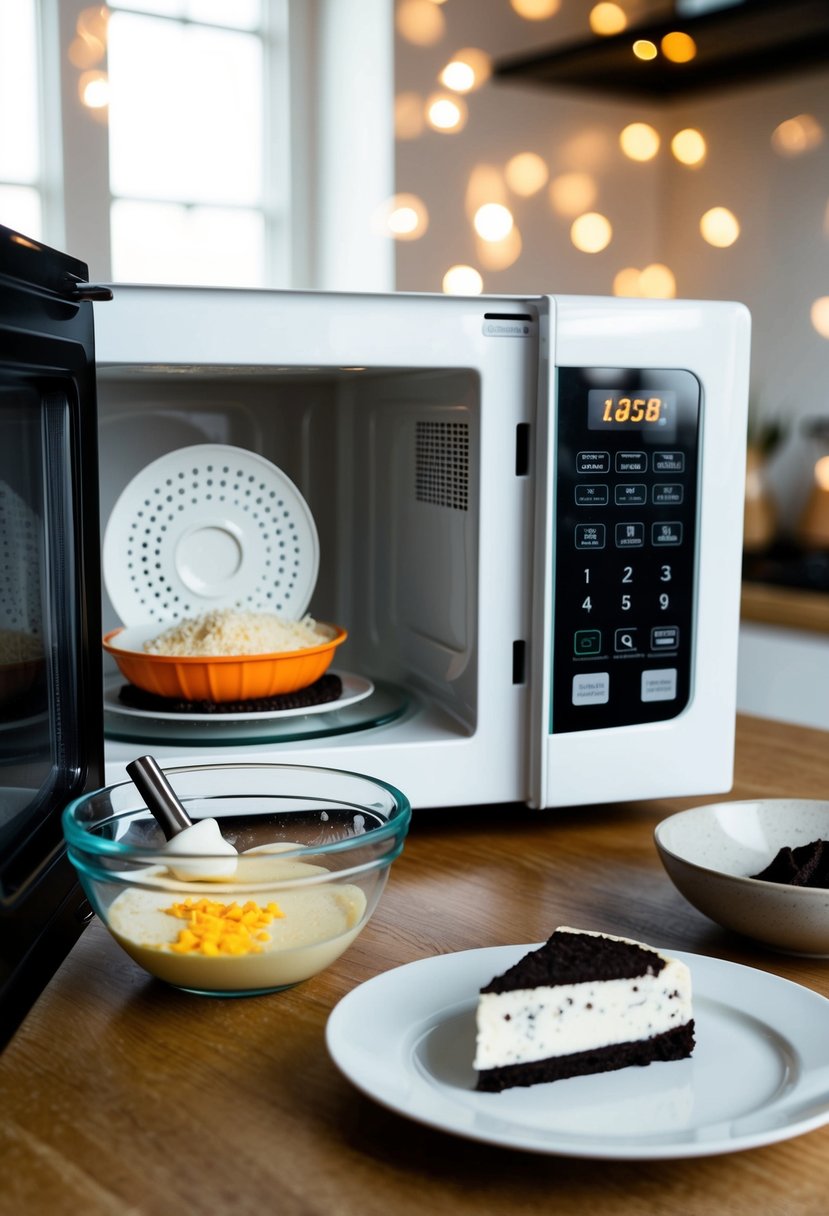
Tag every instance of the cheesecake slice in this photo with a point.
(582, 1003)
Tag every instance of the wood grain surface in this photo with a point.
(120, 1095)
(788, 607)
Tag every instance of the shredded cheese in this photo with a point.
(215, 928)
(227, 631)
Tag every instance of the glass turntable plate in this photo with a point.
(362, 704)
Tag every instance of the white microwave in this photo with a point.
(528, 514)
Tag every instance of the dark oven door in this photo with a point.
(51, 730)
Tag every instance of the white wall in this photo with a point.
(784, 674)
(778, 266)
(571, 132)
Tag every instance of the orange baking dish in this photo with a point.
(220, 677)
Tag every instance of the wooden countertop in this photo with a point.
(122, 1096)
(789, 607)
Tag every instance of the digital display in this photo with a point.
(637, 410)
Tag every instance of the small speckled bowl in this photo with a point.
(710, 852)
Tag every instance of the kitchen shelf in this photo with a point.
(737, 44)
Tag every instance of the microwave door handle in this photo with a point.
(78, 290)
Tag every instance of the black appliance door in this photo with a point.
(51, 729)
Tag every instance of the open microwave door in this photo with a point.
(51, 732)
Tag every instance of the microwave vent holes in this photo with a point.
(442, 464)
(206, 527)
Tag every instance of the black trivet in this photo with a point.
(327, 688)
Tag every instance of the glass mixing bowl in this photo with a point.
(314, 850)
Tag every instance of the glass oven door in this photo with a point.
(51, 733)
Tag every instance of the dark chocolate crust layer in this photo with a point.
(578, 958)
(674, 1044)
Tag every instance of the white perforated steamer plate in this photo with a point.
(209, 526)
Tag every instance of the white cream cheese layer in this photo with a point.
(524, 1025)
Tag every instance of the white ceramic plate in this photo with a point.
(759, 1073)
(355, 688)
(209, 526)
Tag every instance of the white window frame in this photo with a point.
(328, 105)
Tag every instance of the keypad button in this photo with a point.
(666, 534)
(587, 641)
(631, 462)
(668, 495)
(630, 536)
(590, 536)
(592, 495)
(593, 462)
(592, 688)
(633, 495)
(659, 685)
(665, 637)
(669, 462)
(624, 641)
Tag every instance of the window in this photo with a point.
(227, 142)
(20, 162)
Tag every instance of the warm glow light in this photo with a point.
(606, 19)
(403, 221)
(404, 217)
(462, 281)
(639, 141)
(678, 47)
(591, 232)
(797, 135)
(93, 89)
(469, 69)
(643, 49)
(573, 193)
(626, 282)
(526, 173)
(820, 316)
(536, 10)
(24, 241)
(719, 227)
(688, 146)
(420, 22)
(498, 255)
(458, 75)
(408, 115)
(588, 148)
(444, 113)
(657, 282)
(85, 52)
(92, 22)
(88, 48)
(493, 221)
(486, 185)
(822, 473)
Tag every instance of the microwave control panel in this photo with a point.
(625, 546)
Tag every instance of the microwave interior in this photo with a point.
(387, 461)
